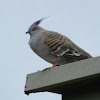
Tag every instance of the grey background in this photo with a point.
(77, 19)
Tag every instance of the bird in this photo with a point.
(54, 47)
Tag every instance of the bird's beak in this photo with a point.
(27, 32)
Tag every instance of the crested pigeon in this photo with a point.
(53, 47)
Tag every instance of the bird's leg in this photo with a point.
(54, 65)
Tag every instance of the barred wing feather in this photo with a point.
(60, 45)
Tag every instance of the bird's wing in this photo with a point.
(60, 45)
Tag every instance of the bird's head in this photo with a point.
(34, 28)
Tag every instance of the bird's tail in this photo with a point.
(84, 56)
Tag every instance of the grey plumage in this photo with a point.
(54, 47)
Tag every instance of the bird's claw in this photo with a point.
(46, 69)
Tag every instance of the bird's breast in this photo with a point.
(42, 50)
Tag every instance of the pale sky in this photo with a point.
(77, 19)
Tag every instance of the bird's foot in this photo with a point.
(54, 65)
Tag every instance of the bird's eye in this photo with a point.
(34, 28)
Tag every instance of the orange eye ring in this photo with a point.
(34, 28)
